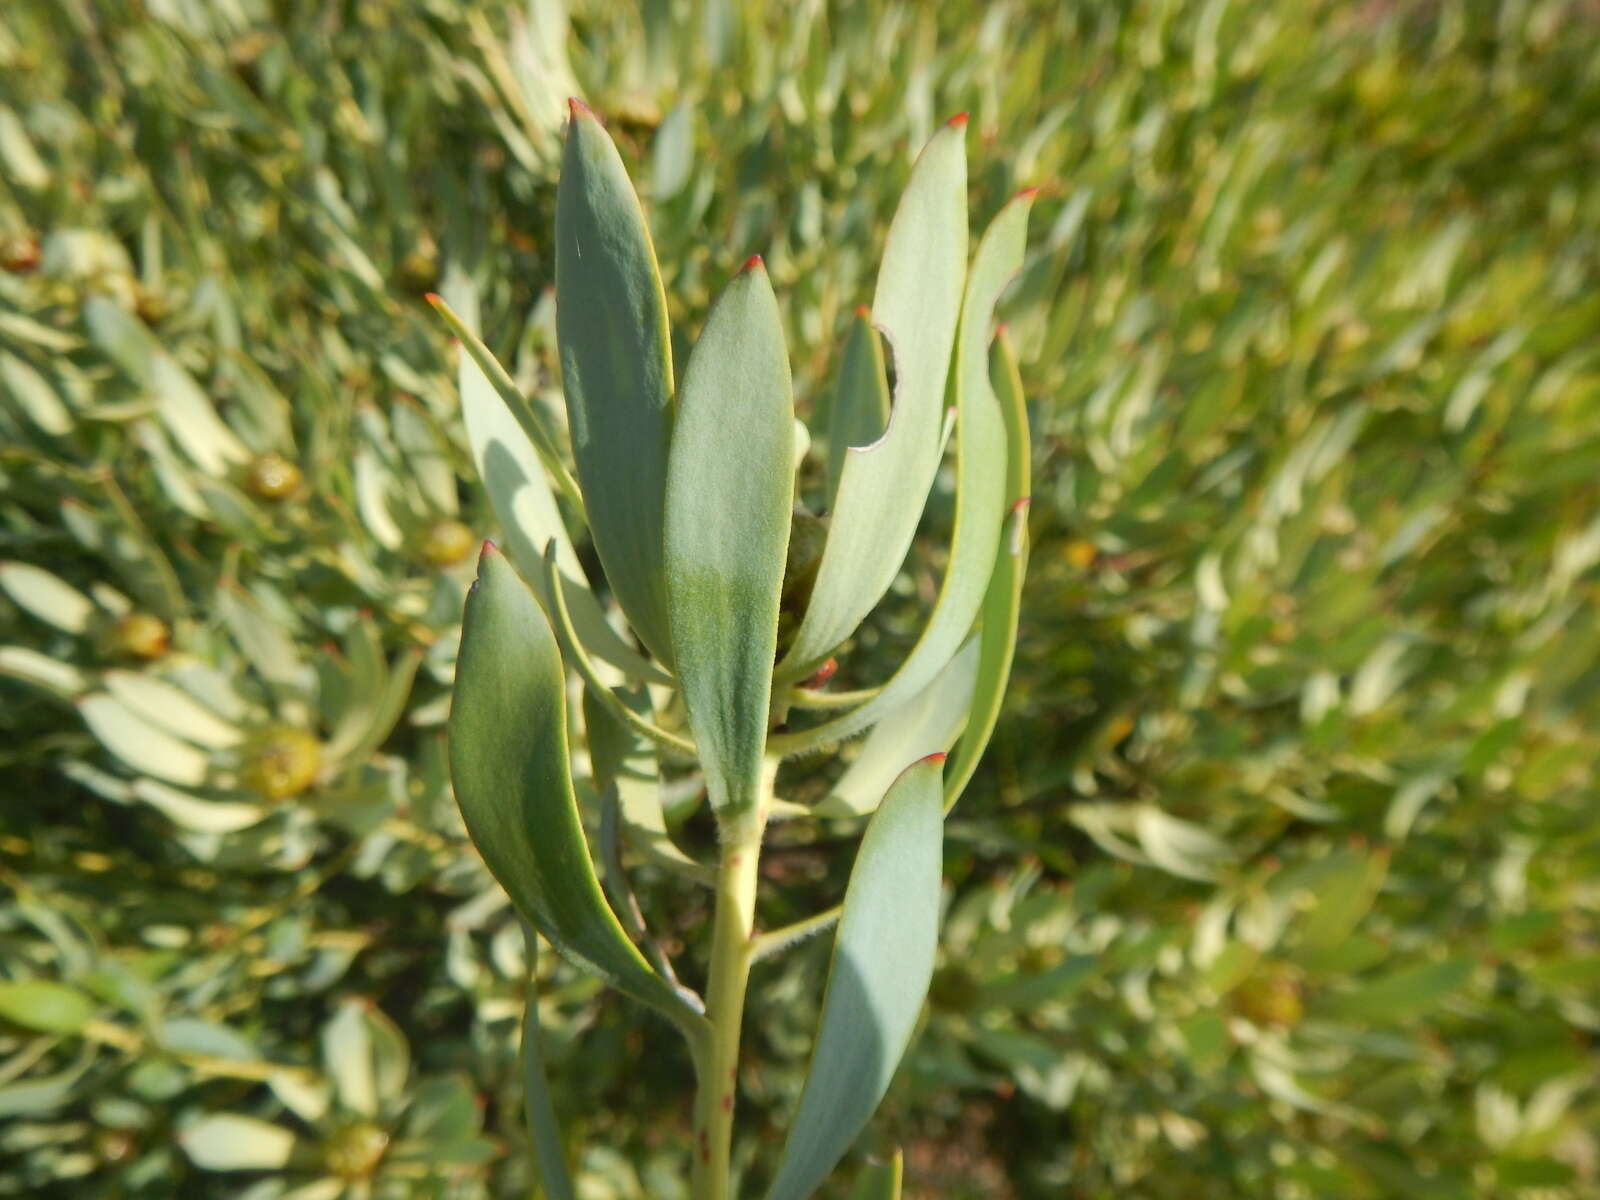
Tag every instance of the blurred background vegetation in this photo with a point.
(1282, 876)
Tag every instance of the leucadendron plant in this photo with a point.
(690, 490)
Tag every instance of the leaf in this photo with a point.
(981, 498)
(1002, 603)
(879, 1180)
(45, 1006)
(861, 402)
(623, 760)
(181, 404)
(1403, 994)
(196, 814)
(1180, 847)
(172, 708)
(230, 1142)
(543, 1128)
(347, 1053)
(729, 493)
(1343, 897)
(44, 1094)
(61, 679)
(141, 745)
(616, 369)
(884, 487)
(35, 396)
(508, 759)
(523, 503)
(928, 724)
(43, 595)
(882, 963)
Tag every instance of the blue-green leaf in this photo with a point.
(729, 493)
(883, 487)
(981, 448)
(543, 1129)
(508, 760)
(1002, 603)
(616, 369)
(882, 962)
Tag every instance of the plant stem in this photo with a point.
(730, 972)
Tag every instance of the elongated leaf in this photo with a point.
(51, 599)
(860, 409)
(508, 759)
(35, 396)
(173, 709)
(61, 679)
(543, 1129)
(624, 760)
(44, 1006)
(883, 487)
(143, 746)
(882, 962)
(616, 369)
(981, 446)
(514, 475)
(729, 493)
(879, 1180)
(193, 813)
(231, 1142)
(1002, 603)
(926, 725)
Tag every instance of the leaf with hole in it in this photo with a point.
(513, 470)
(1002, 602)
(616, 369)
(884, 487)
(45, 1006)
(882, 963)
(861, 400)
(730, 490)
(879, 1180)
(508, 760)
(981, 447)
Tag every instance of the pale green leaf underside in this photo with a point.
(508, 761)
(616, 370)
(729, 494)
(883, 487)
(525, 505)
(882, 962)
(1002, 603)
(980, 488)
(927, 724)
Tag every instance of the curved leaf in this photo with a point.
(882, 962)
(1002, 603)
(981, 447)
(616, 369)
(729, 493)
(45, 1006)
(514, 476)
(884, 487)
(508, 760)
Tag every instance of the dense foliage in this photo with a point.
(1295, 761)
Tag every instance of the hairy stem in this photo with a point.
(730, 972)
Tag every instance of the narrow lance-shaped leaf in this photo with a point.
(729, 493)
(543, 1129)
(508, 760)
(616, 369)
(882, 962)
(981, 448)
(1002, 603)
(884, 487)
(513, 474)
(861, 401)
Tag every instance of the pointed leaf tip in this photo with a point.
(1027, 193)
(751, 263)
(577, 108)
(959, 121)
(824, 673)
(488, 548)
(434, 299)
(937, 757)
(863, 311)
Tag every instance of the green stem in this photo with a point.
(732, 926)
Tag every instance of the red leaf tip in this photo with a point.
(751, 263)
(959, 121)
(1027, 193)
(1021, 505)
(489, 548)
(577, 108)
(863, 311)
(938, 757)
(823, 673)
(434, 299)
